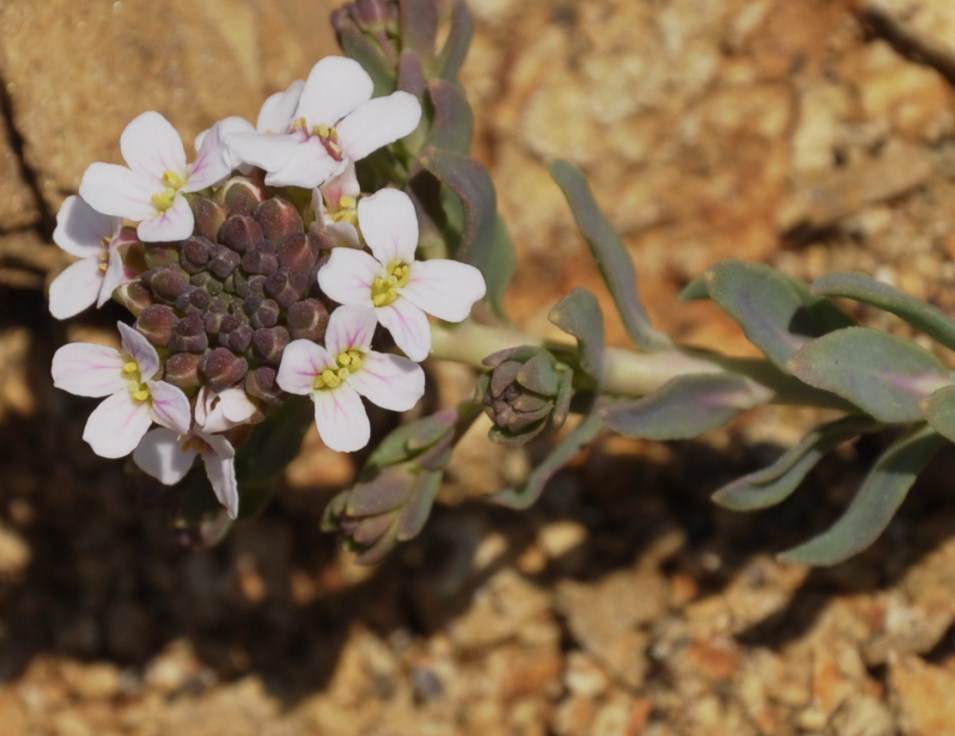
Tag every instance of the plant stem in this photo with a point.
(630, 373)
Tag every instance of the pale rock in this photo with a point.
(922, 695)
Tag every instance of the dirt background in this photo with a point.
(813, 135)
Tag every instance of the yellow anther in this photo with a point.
(130, 366)
(172, 180)
(384, 290)
(347, 362)
(347, 203)
(141, 394)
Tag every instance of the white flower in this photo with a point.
(336, 206)
(335, 121)
(151, 190)
(83, 232)
(167, 455)
(401, 290)
(338, 375)
(134, 400)
(218, 412)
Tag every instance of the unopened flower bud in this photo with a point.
(260, 260)
(224, 262)
(215, 313)
(279, 219)
(286, 286)
(207, 282)
(196, 253)
(209, 216)
(161, 254)
(262, 312)
(307, 320)
(220, 369)
(269, 343)
(260, 383)
(240, 233)
(240, 195)
(167, 283)
(189, 336)
(526, 391)
(182, 370)
(299, 252)
(134, 295)
(156, 322)
(246, 286)
(235, 334)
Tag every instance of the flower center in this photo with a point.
(194, 443)
(346, 211)
(346, 363)
(134, 382)
(102, 258)
(172, 182)
(325, 133)
(384, 289)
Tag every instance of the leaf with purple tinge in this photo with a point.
(884, 375)
(455, 49)
(453, 124)
(686, 407)
(418, 21)
(773, 484)
(858, 286)
(609, 253)
(579, 314)
(874, 504)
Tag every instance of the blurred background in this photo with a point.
(813, 135)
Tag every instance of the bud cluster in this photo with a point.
(224, 303)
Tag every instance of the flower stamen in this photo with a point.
(346, 363)
(384, 289)
(172, 182)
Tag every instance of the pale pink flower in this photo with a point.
(335, 121)
(400, 290)
(336, 206)
(218, 412)
(87, 234)
(152, 189)
(338, 375)
(134, 400)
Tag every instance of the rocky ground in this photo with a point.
(813, 135)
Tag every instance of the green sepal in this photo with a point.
(525, 495)
(862, 288)
(884, 375)
(778, 314)
(773, 484)
(579, 315)
(686, 407)
(874, 504)
(609, 252)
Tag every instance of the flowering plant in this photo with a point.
(309, 263)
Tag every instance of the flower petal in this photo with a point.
(409, 328)
(76, 288)
(220, 469)
(173, 224)
(390, 381)
(377, 123)
(151, 146)
(114, 276)
(217, 412)
(170, 407)
(334, 88)
(445, 288)
(310, 166)
(341, 419)
(344, 184)
(350, 327)
(302, 360)
(116, 190)
(277, 110)
(161, 455)
(348, 275)
(86, 369)
(140, 349)
(117, 425)
(388, 221)
(268, 152)
(80, 229)
(214, 158)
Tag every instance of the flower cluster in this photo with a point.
(258, 270)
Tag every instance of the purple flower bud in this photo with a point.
(307, 320)
(156, 322)
(196, 253)
(299, 252)
(269, 343)
(167, 283)
(220, 369)
(240, 195)
(279, 219)
(224, 262)
(235, 334)
(246, 286)
(207, 282)
(161, 254)
(192, 301)
(287, 287)
(209, 216)
(189, 336)
(182, 370)
(134, 295)
(240, 233)
(262, 312)
(260, 260)
(260, 384)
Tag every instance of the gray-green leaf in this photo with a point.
(579, 314)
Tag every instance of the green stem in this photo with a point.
(630, 373)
